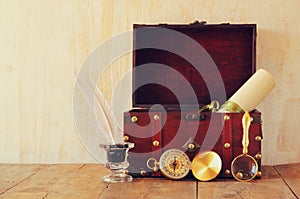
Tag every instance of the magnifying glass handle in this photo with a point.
(246, 120)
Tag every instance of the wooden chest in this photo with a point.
(176, 70)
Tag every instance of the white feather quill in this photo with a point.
(99, 108)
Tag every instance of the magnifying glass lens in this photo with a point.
(244, 168)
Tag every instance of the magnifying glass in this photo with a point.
(244, 167)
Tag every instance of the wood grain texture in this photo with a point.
(41, 182)
(290, 174)
(151, 188)
(43, 45)
(12, 175)
(84, 181)
(270, 181)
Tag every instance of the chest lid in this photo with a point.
(190, 65)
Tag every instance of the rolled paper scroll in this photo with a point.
(249, 96)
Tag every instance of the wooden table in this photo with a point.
(84, 181)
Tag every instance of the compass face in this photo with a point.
(174, 164)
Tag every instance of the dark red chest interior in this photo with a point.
(191, 64)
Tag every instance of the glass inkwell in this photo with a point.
(116, 161)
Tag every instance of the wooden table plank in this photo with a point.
(84, 181)
(69, 181)
(40, 182)
(270, 185)
(151, 189)
(25, 195)
(291, 175)
(13, 174)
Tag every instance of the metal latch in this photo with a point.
(198, 23)
(195, 116)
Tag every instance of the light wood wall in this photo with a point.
(44, 43)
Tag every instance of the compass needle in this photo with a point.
(175, 163)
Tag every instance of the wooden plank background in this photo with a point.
(84, 181)
(44, 43)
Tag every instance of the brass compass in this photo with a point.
(174, 164)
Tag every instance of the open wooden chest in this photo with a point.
(177, 69)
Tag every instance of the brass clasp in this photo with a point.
(153, 164)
